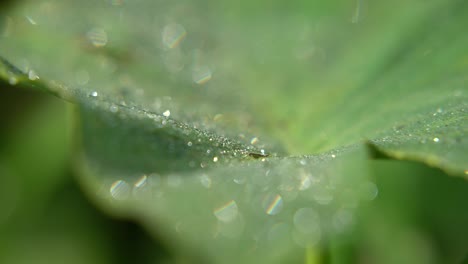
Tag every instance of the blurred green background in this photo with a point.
(45, 217)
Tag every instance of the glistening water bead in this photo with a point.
(226, 212)
(201, 74)
(272, 204)
(97, 37)
(120, 190)
(172, 35)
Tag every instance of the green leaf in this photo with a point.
(194, 116)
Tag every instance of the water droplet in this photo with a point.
(94, 94)
(436, 139)
(239, 178)
(120, 190)
(113, 108)
(205, 181)
(97, 37)
(201, 74)
(32, 75)
(272, 204)
(226, 212)
(368, 191)
(141, 181)
(31, 21)
(141, 188)
(254, 141)
(167, 113)
(215, 159)
(333, 156)
(189, 143)
(304, 181)
(172, 35)
(306, 220)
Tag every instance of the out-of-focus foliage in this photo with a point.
(44, 217)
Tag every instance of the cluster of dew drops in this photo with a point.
(291, 207)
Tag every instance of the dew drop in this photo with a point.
(94, 94)
(167, 113)
(97, 37)
(189, 143)
(239, 178)
(31, 21)
(254, 141)
(201, 74)
(113, 108)
(215, 159)
(120, 190)
(141, 181)
(272, 204)
(172, 35)
(226, 212)
(141, 188)
(32, 75)
(304, 181)
(369, 191)
(436, 139)
(205, 181)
